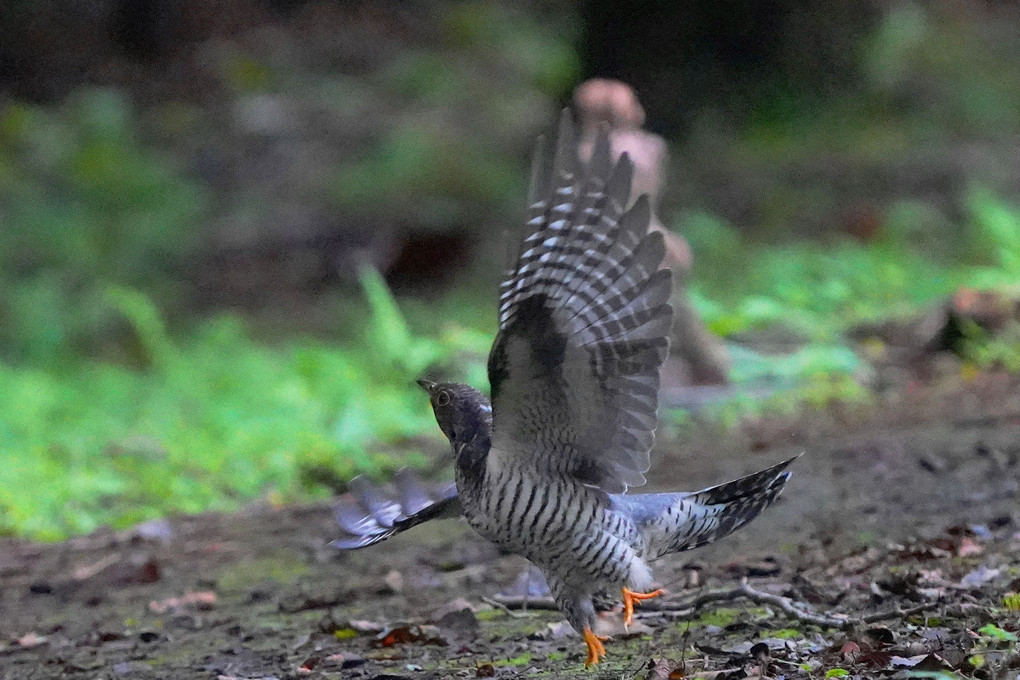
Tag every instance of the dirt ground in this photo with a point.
(908, 512)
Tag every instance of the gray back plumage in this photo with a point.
(583, 324)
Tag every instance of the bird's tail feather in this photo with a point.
(701, 517)
(764, 482)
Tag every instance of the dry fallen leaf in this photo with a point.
(659, 669)
(422, 635)
(906, 661)
(87, 571)
(31, 639)
(612, 625)
(932, 662)
(203, 599)
(336, 662)
(881, 635)
(850, 651)
(459, 621)
(455, 605)
(979, 577)
(366, 626)
(968, 547)
(309, 664)
(394, 580)
(558, 630)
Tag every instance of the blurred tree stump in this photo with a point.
(599, 101)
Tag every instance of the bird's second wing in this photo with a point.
(366, 516)
(583, 324)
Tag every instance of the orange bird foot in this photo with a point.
(596, 650)
(630, 597)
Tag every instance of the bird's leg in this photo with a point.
(596, 650)
(630, 597)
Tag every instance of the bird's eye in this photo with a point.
(443, 398)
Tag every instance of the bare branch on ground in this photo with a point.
(683, 608)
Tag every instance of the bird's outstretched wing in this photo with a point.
(583, 324)
(367, 515)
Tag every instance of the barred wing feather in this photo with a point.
(368, 515)
(583, 324)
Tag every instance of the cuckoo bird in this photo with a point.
(543, 468)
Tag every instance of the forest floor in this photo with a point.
(893, 552)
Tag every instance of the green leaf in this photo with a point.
(992, 631)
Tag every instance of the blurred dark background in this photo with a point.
(270, 144)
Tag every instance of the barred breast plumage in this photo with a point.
(569, 530)
(542, 471)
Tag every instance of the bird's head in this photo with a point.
(463, 413)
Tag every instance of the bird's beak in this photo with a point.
(426, 385)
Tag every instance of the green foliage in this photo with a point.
(990, 637)
(930, 77)
(723, 616)
(786, 634)
(967, 71)
(543, 53)
(998, 350)
(218, 419)
(418, 169)
(520, 660)
(466, 101)
(810, 392)
(995, 236)
(814, 290)
(96, 228)
(84, 206)
(212, 422)
(811, 360)
(819, 290)
(996, 634)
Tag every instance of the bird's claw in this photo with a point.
(596, 650)
(630, 597)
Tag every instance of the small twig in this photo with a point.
(676, 609)
(794, 609)
(692, 603)
(893, 613)
(508, 609)
(521, 602)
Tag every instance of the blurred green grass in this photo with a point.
(217, 418)
(819, 290)
(214, 420)
(85, 204)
